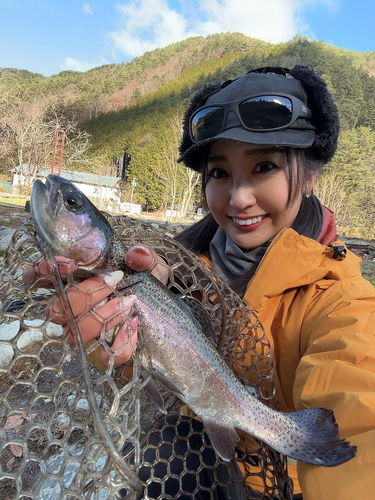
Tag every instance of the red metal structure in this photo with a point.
(59, 133)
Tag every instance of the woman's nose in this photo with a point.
(242, 197)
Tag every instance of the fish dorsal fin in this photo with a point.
(198, 311)
(252, 391)
(223, 438)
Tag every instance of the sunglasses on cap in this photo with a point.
(257, 113)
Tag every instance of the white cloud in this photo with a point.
(87, 9)
(147, 24)
(269, 20)
(76, 65)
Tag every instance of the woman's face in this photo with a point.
(247, 191)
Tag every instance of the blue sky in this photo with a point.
(50, 36)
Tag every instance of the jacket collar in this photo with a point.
(310, 262)
(329, 230)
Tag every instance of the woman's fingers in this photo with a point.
(65, 266)
(109, 315)
(87, 294)
(123, 345)
(143, 258)
(85, 299)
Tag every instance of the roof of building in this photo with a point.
(80, 177)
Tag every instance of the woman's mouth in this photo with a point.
(248, 222)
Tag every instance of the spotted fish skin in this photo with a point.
(178, 352)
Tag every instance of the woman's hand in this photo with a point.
(87, 294)
(91, 317)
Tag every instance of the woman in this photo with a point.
(259, 142)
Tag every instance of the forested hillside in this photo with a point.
(136, 108)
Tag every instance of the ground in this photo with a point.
(12, 216)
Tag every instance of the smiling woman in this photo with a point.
(269, 237)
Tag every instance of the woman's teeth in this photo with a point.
(248, 222)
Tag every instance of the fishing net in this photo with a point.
(69, 430)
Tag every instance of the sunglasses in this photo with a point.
(259, 113)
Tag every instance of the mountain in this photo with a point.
(135, 107)
(114, 86)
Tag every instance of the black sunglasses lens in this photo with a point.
(207, 123)
(266, 112)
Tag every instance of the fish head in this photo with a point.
(67, 221)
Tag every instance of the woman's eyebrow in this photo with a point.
(263, 151)
(216, 158)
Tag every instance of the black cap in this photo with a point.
(318, 135)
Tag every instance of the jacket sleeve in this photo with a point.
(337, 371)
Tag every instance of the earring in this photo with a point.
(308, 194)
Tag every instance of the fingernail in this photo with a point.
(134, 322)
(113, 278)
(143, 250)
(138, 250)
(128, 301)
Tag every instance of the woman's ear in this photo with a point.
(310, 183)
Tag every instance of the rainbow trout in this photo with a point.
(178, 352)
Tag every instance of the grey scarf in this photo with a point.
(232, 264)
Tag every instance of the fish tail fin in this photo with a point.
(314, 439)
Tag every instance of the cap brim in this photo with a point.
(285, 137)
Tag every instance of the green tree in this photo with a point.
(348, 184)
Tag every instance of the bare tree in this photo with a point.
(179, 182)
(192, 180)
(27, 134)
(170, 172)
(329, 190)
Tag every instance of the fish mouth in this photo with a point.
(44, 198)
(44, 206)
(38, 195)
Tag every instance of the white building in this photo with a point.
(102, 190)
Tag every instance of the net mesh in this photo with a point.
(70, 431)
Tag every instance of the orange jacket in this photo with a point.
(319, 314)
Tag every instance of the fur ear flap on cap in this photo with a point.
(198, 100)
(324, 111)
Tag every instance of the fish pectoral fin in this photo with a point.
(154, 394)
(223, 438)
(167, 382)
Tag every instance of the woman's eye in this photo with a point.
(264, 167)
(217, 173)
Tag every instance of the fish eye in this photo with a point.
(73, 201)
